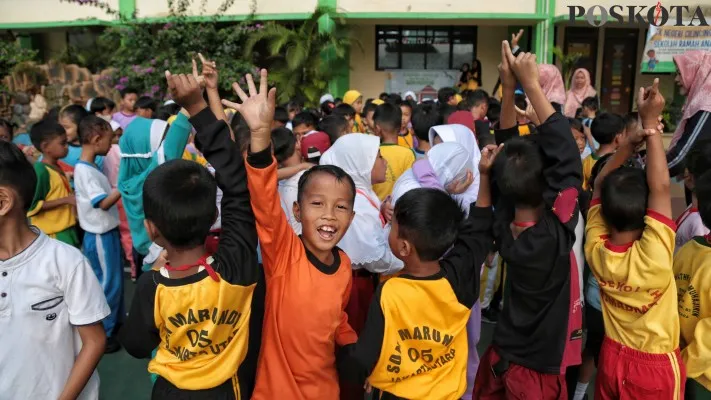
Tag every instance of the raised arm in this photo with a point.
(650, 104)
(508, 83)
(276, 237)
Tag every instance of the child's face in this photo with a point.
(377, 175)
(129, 101)
(437, 140)
(70, 127)
(587, 112)
(144, 112)
(479, 112)
(292, 113)
(325, 212)
(57, 147)
(5, 135)
(358, 105)
(369, 120)
(351, 123)
(301, 130)
(117, 136)
(406, 115)
(102, 143)
(579, 140)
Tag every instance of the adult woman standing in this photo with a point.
(580, 89)
(694, 81)
(552, 85)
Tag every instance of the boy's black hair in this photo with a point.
(179, 198)
(344, 110)
(128, 90)
(519, 172)
(294, 105)
(426, 116)
(91, 126)
(53, 113)
(606, 126)
(703, 195)
(388, 116)
(284, 143)
(281, 115)
(590, 102)
(575, 124)
(9, 126)
(699, 159)
(383, 96)
(475, 98)
(493, 113)
(304, 118)
(166, 111)
(146, 103)
(631, 162)
(327, 108)
(333, 125)
(520, 101)
(623, 197)
(100, 104)
(45, 130)
(405, 103)
(394, 98)
(17, 173)
(74, 112)
(369, 107)
(429, 219)
(338, 173)
(444, 94)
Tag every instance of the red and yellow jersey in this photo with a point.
(637, 287)
(692, 263)
(52, 184)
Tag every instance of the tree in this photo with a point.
(12, 54)
(567, 64)
(140, 52)
(302, 59)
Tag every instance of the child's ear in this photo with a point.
(7, 201)
(404, 248)
(151, 230)
(297, 211)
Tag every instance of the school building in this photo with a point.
(416, 45)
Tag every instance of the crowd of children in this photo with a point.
(291, 253)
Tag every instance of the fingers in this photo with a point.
(169, 78)
(641, 94)
(202, 59)
(195, 69)
(508, 54)
(230, 104)
(271, 97)
(655, 85)
(520, 112)
(263, 85)
(250, 85)
(238, 90)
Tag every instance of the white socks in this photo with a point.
(580, 389)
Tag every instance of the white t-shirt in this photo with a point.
(91, 187)
(689, 225)
(288, 193)
(45, 292)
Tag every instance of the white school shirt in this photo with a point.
(45, 292)
(689, 225)
(288, 193)
(91, 187)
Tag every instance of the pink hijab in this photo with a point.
(695, 69)
(576, 95)
(552, 83)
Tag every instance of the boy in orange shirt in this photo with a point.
(630, 245)
(308, 278)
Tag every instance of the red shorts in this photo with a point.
(516, 383)
(625, 373)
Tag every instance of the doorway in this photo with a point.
(619, 66)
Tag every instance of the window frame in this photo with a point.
(456, 31)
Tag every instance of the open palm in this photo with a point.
(257, 108)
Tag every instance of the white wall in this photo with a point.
(37, 11)
(159, 8)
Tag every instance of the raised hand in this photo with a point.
(488, 155)
(508, 79)
(650, 104)
(529, 113)
(186, 91)
(524, 67)
(515, 37)
(257, 109)
(209, 72)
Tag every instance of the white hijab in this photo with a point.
(365, 241)
(465, 137)
(411, 94)
(450, 162)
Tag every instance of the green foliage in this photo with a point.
(567, 64)
(302, 58)
(141, 52)
(11, 55)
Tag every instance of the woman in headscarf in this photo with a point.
(580, 89)
(447, 164)
(355, 100)
(552, 85)
(366, 241)
(145, 144)
(410, 96)
(694, 81)
(465, 137)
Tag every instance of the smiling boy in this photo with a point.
(308, 278)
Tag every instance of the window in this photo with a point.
(424, 47)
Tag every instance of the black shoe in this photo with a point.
(112, 345)
(490, 315)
